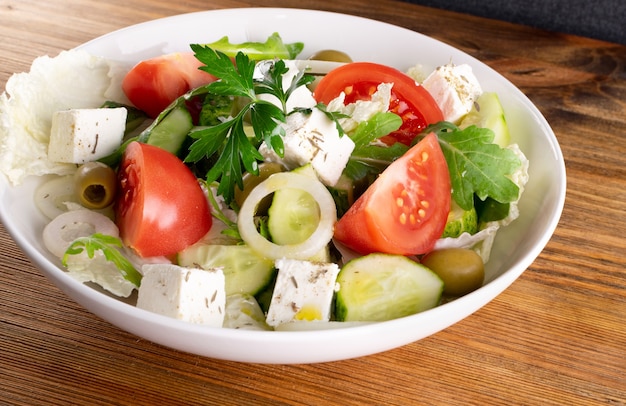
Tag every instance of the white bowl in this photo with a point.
(515, 249)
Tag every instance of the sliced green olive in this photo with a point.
(331, 55)
(96, 185)
(250, 181)
(462, 270)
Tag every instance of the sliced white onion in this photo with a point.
(306, 249)
(52, 196)
(68, 226)
(58, 195)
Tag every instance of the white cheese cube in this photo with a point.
(454, 88)
(303, 291)
(313, 139)
(190, 294)
(84, 135)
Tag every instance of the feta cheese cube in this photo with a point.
(454, 88)
(303, 291)
(190, 294)
(84, 135)
(313, 138)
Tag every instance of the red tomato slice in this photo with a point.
(405, 210)
(153, 84)
(160, 208)
(409, 100)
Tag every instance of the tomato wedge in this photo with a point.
(153, 84)
(405, 210)
(409, 100)
(160, 208)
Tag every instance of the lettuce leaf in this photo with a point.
(273, 47)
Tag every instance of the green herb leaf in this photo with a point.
(235, 150)
(378, 126)
(273, 47)
(476, 165)
(371, 159)
(108, 245)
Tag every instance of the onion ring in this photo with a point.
(304, 250)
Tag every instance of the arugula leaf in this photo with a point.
(107, 244)
(273, 47)
(379, 125)
(236, 151)
(368, 158)
(476, 165)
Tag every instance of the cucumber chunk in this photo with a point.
(245, 271)
(488, 113)
(171, 131)
(379, 287)
(460, 221)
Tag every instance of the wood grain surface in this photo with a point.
(557, 336)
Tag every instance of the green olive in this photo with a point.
(462, 270)
(250, 181)
(331, 55)
(96, 185)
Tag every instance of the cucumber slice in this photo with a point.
(488, 113)
(379, 287)
(460, 221)
(171, 131)
(244, 270)
(294, 215)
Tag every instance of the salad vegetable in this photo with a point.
(379, 287)
(153, 84)
(274, 47)
(161, 208)
(246, 193)
(405, 210)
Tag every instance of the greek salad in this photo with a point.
(255, 186)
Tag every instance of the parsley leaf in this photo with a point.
(235, 149)
(108, 245)
(476, 165)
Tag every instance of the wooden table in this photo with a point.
(556, 336)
